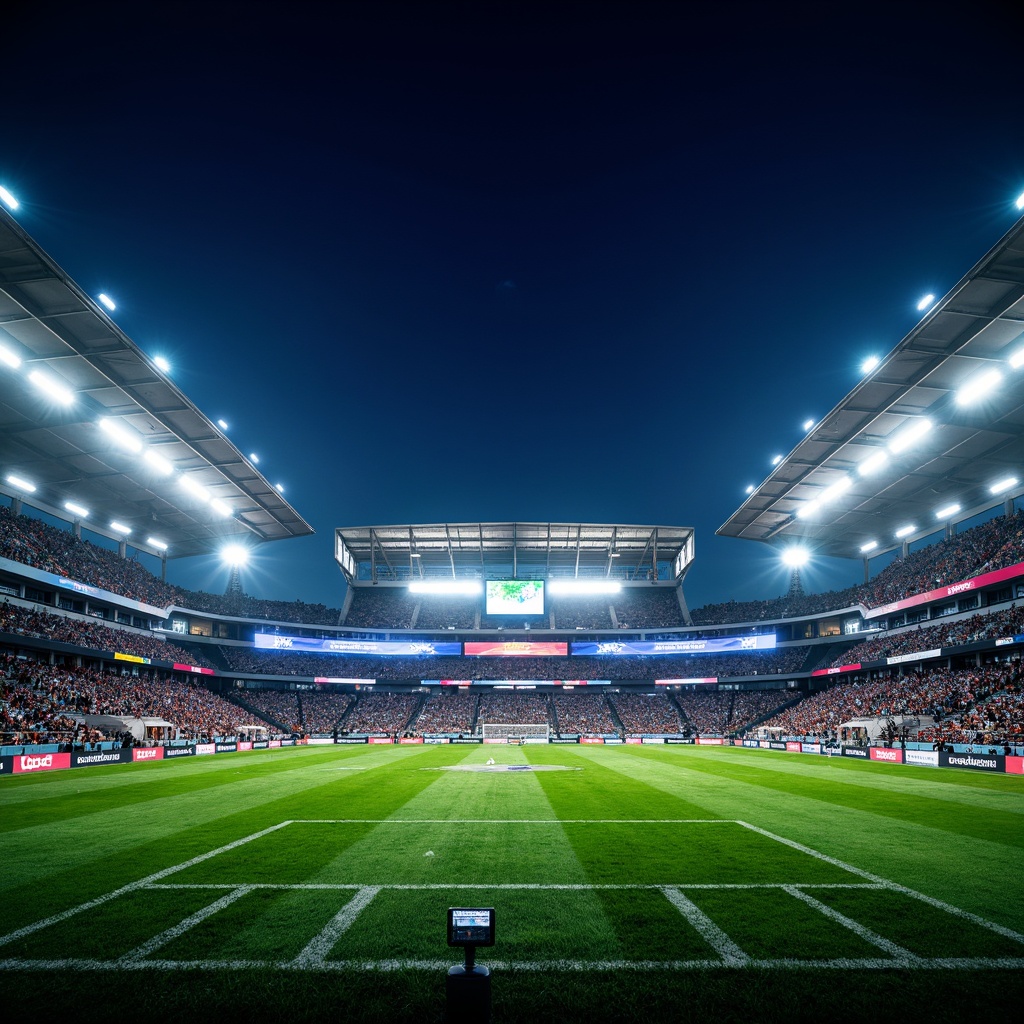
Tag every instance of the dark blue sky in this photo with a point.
(497, 261)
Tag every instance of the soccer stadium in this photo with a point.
(799, 806)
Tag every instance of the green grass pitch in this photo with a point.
(630, 883)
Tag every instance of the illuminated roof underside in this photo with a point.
(974, 329)
(370, 554)
(54, 327)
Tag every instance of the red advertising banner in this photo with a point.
(411, 739)
(710, 741)
(516, 649)
(886, 754)
(41, 762)
(790, 745)
(835, 671)
(194, 668)
(634, 739)
(986, 579)
(274, 743)
(148, 754)
(380, 739)
(591, 739)
(1014, 765)
(245, 744)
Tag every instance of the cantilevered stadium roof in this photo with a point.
(51, 331)
(827, 493)
(372, 554)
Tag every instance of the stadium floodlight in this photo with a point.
(873, 463)
(835, 489)
(870, 546)
(107, 301)
(9, 201)
(21, 483)
(78, 510)
(584, 587)
(158, 462)
(446, 587)
(222, 424)
(58, 392)
(1020, 202)
(869, 364)
(235, 554)
(222, 508)
(925, 302)
(196, 489)
(279, 488)
(776, 460)
(978, 387)
(750, 489)
(795, 557)
(905, 438)
(254, 458)
(125, 437)
(158, 544)
(1003, 485)
(161, 364)
(1017, 359)
(948, 510)
(120, 528)
(8, 357)
(809, 425)
(809, 509)
(905, 531)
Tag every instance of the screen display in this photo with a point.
(320, 645)
(515, 597)
(471, 926)
(515, 648)
(704, 645)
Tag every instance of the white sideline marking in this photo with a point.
(571, 886)
(904, 958)
(517, 821)
(315, 953)
(179, 929)
(132, 886)
(709, 931)
(965, 915)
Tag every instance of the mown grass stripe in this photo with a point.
(314, 954)
(708, 930)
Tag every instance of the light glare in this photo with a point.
(235, 554)
(162, 364)
(124, 437)
(873, 463)
(795, 557)
(195, 489)
(808, 425)
(1017, 359)
(446, 587)
(21, 483)
(870, 546)
(107, 301)
(907, 437)
(977, 387)
(584, 587)
(9, 201)
(222, 424)
(120, 528)
(78, 510)
(925, 302)
(869, 364)
(1003, 485)
(56, 391)
(776, 460)
(834, 490)
(222, 508)
(8, 357)
(158, 462)
(947, 511)
(905, 531)
(158, 544)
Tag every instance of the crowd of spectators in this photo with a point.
(441, 611)
(322, 711)
(511, 708)
(450, 711)
(583, 713)
(647, 608)
(647, 713)
(280, 706)
(580, 611)
(90, 634)
(381, 713)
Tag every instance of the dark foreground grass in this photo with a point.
(621, 885)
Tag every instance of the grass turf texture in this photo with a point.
(622, 890)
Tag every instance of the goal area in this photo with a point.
(514, 733)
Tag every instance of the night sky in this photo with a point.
(496, 261)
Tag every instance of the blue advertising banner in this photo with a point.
(325, 645)
(706, 645)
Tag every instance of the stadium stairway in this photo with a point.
(818, 656)
(615, 717)
(751, 726)
(260, 715)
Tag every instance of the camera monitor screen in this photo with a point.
(515, 597)
(471, 926)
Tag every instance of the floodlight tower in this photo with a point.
(795, 558)
(236, 556)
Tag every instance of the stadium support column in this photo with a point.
(122, 548)
(1008, 507)
(15, 505)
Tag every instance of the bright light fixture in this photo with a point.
(222, 424)
(158, 462)
(906, 531)
(776, 460)
(808, 510)
(446, 587)
(750, 488)
(125, 437)
(925, 302)
(977, 387)
(870, 546)
(1003, 485)
(1020, 202)
(195, 488)
(162, 364)
(947, 511)
(584, 587)
(9, 200)
(8, 357)
(58, 392)
(120, 528)
(78, 510)
(222, 508)
(158, 544)
(808, 425)
(107, 301)
(235, 554)
(835, 489)
(869, 364)
(1017, 359)
(254, 458)
(873, 463)
(795, 557)
(907, 437)
(21, 483)
(279, 488)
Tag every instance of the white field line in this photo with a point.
(514, 966)
(153, 944)
(132, 886)
(316, 952)
(708, 930)
(904, 958)
(964, 915)
(516, 821)
(571, 886)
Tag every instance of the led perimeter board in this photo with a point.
(515, 597)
